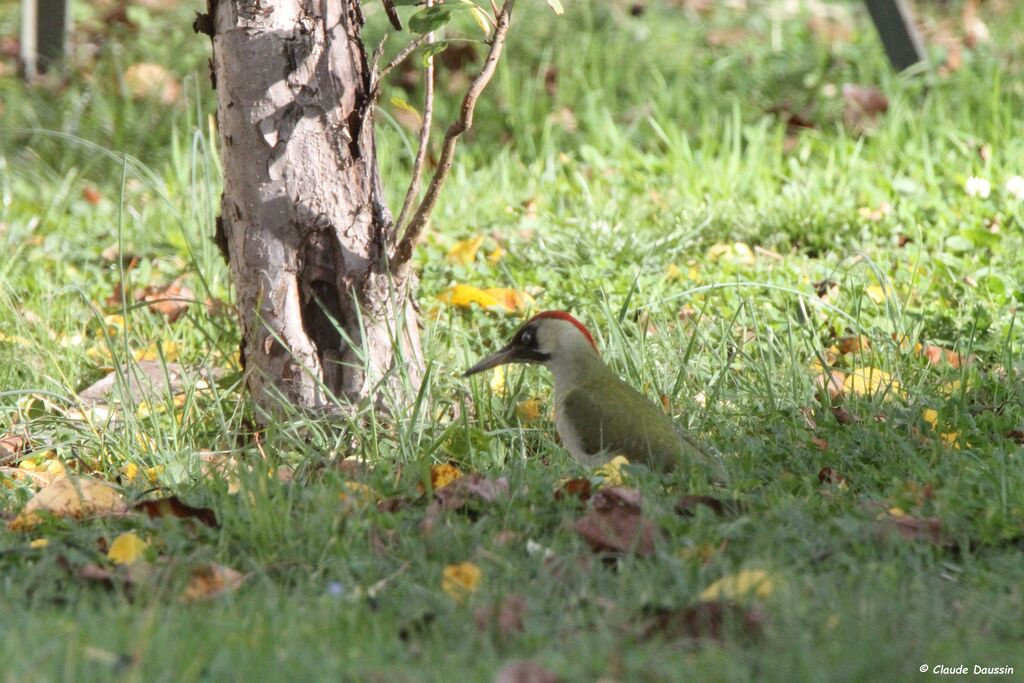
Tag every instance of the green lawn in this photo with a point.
(682, 182)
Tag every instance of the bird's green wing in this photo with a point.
(616, 419)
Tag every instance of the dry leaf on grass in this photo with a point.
(863, 105)
(574, 488)
(460, 580)
(11, 447)
(453, 496)
(211, 581)
(173, 507)
(848, 345)
(615, 523)
(936, 355)
(152, 80)
(496, 299)
(443, 474)
(170, 301)
(464, 252)
(36, 478)
(867, 381)
(127, 549)
(74, 497)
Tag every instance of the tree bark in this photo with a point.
(303, 218)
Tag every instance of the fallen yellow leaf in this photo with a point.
(866, 381)
(130, 471)
(876, 293)
(498, 380)
(459, 580)
(70, 497)
(443, 474)
(464, 296)
(528, 410)
(169, 351)
(38, 543)
(464, 252)
(931, 416)
(611, 471)
(512, 300)
(740, 585)
(126, 549)
(495, 255)
(497, 299)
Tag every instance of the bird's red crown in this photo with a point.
(562, 315)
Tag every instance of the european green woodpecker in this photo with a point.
(597, 415)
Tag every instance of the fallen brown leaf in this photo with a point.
(91, 195)
(172, 507)
(211, 581)
(11, 447)
(862, 106)
(574, 488)
(615, 523)
(453, 496)
(170, 301)
(843, 416)
(857, 344)
(152, 80)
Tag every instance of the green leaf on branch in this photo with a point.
(430, 19)
(434, 49)
(556, 6)
(406, 3)
(481, 19)
(399, 103)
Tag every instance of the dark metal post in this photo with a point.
(45, 28)
(895, 28)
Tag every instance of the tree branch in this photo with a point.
(414, 232)
(421, 152)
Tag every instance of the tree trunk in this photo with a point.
(303, 219)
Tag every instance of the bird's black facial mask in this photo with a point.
(522, 349)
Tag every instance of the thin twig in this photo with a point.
(401, 56)
(414, 232)
(421, 153)
(378, 78)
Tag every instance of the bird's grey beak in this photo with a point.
(509, 354)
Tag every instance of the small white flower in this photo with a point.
(978, 187)
(1015, 187)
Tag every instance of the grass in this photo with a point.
(649, 146)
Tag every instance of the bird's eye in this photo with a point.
(526, 338)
